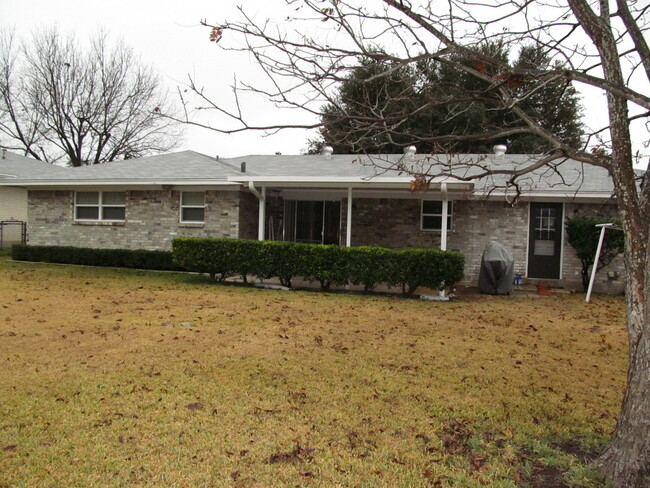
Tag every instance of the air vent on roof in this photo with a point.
(327, 152)
(243, 167)
(410, 151)
(500, 149)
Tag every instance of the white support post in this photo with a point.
(348, 229)
(262, 209)
(603, 228)
(445, 213)
(261, 227)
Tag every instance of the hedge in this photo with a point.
(328, 264)
(119, 258)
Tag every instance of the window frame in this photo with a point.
(100, 205)
(450, 212)
(183, 206)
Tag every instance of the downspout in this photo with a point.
(262, 209)
(445, 213)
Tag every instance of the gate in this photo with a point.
(12, 232)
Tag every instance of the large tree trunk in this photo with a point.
(626, 461)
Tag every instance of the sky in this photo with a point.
(168, 36)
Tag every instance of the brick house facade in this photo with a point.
(145, 204)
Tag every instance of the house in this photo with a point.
(332, 199)
(13, 199)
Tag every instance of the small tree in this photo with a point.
(583, 235)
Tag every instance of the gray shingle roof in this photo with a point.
(191, 166)
(174, 166)
(571, 176)
(14, 166)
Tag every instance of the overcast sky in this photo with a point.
(167, 35)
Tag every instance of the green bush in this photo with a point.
(583, 235)
(328, 264)
(284, 260)
(205, 255)
(369, 266)
(118, 258)
(431, 268)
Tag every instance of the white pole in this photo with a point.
(445, 213)
(603, 227)
(348, 229)
(262, 223)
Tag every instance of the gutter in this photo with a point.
(345, 182)
(56, 183)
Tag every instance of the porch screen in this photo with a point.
(312, 222)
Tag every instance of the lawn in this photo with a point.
(126, 378)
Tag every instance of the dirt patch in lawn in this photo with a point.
(113, 378)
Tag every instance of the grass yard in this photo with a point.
(123, 378)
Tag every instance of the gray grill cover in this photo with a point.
(497, 270)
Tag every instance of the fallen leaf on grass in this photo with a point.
(297, 455)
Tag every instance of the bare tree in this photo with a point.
(597, 43)
(58, 103)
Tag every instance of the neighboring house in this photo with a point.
(331, 199)
(13, 200)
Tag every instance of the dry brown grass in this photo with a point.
(292, 389)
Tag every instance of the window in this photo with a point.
(193, 206)
(100, 205)
(432, 215)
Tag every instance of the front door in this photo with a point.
(545, 241)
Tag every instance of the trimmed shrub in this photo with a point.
(284, 260)
(431, 268)
(327, 264)
(205, 255)
(118, 258)
(369, 266)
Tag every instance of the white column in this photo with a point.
(262, 216)
(348, 230)
(445, 213)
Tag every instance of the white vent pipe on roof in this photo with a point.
(500, 149)
(410, 151)
(327, 152)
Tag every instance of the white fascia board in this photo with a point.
(548, 196)
(345, 182)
